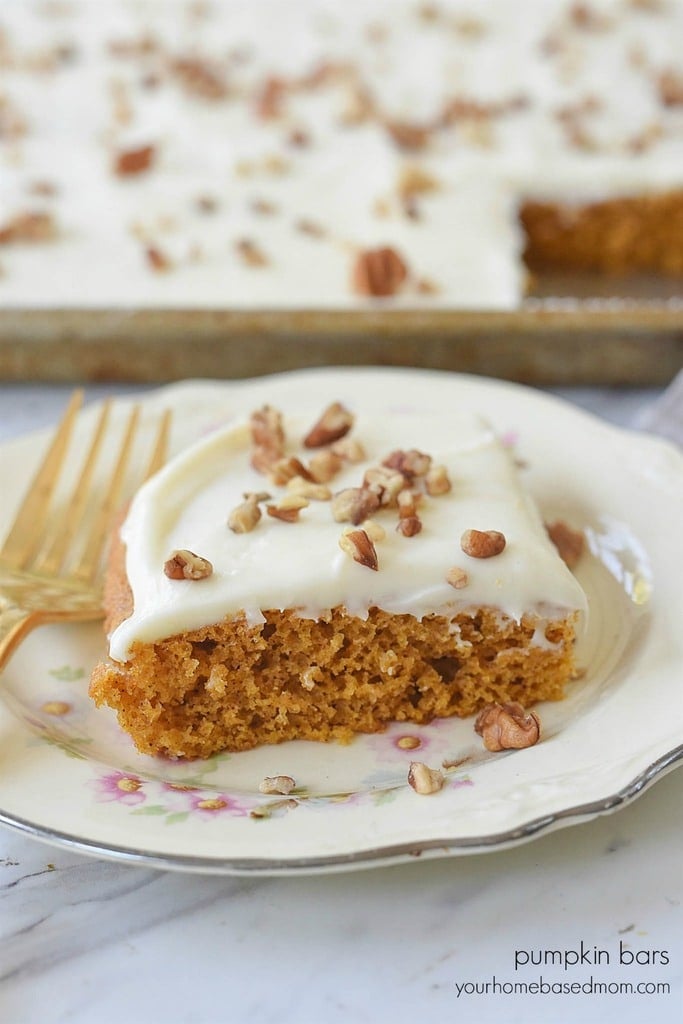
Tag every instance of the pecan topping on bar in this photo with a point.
(134, 161)
(457, 577)
(482, 543)
(198, 78)
(670, 86)
(379, 272)
(263, 207)
(357, 544)
(244, 518)
(281, 784)
(270, 98)
(299, 138)
(385, 483)
(267, 437)
(409, 523)
(284, 470)
(315, 492)
(353, 505)
(28, 227)
(437, 481)
(408, 136)
(410, 464)
(415, 181)
(309, 227)
(186, 565)
(424, 780)
(288, 508)
(569, 543)
(507, 726)
(335, 423)
(374, 531)
(409, 526)
(324, 465)
(157, 260)
(250, 253)
(349, 450)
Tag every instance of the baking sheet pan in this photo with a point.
(569, 331)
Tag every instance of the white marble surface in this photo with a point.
(92, 942)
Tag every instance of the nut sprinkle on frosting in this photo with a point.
(376, 487)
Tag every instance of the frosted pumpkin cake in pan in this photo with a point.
(260, 155)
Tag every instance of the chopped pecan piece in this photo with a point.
(569, 543)
(507, 726)
(251, 253)
(670, 87)
(409, 526)
(415, 181)
(157, 259)
(323, 466)
(299, 138)
(270, 98)
(408, 136)
(482, 543)
(186, 565)
(424, 780)
(374, 531)
(134, 161)
(350, 450)
(244, 518)
(28, 227)
(411, 463)
(359, 107)
(310, 228)
(379, 272)
(281, 784)
(285, 469)
(198, 78)
(357, 544)
(457, 577)
(407, 503)
(263, 207)
(385, 483)
(353, 505)
(268, 438)
(437, 481)
(288, 508)
(307, 489)
(335, 423)
(206, 203)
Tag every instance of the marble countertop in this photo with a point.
(93, 942)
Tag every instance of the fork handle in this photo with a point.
(15, 623)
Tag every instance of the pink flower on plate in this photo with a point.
(213, 805)
(121, 786)
(406, 742)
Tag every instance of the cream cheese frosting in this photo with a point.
(300, 565)
(577, 87)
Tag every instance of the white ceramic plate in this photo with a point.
(69, 776)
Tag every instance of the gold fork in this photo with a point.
(51, 564)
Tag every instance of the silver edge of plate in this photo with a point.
(379, 856)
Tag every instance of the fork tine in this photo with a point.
(160, 450)
(72, 515)
(26, 531)
(88, 564)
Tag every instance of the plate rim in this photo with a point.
(375, 857)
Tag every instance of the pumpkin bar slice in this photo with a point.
(293, 577)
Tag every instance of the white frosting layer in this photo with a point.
(78, 113)
(300, 565)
